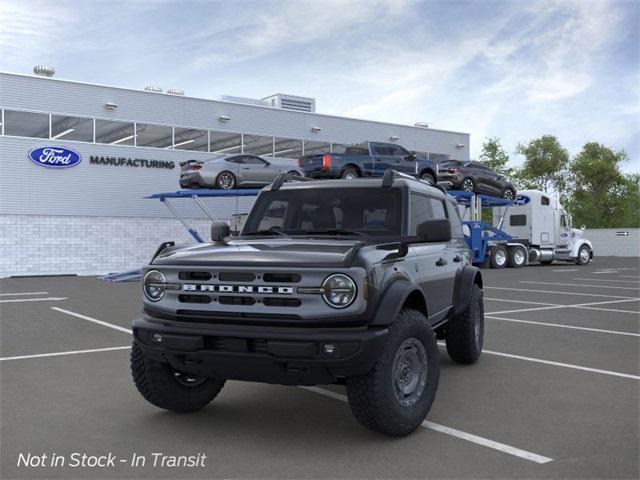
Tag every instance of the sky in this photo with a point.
(515, 70)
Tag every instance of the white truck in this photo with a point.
(539, 226)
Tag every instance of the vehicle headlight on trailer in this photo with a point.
(339, 290)
(153, 285)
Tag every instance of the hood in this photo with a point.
(263, 252)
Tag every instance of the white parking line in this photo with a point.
(582, 285)
(628, 276)
(564, 365)
(567, 270)
(47, 299)
(530, 290)
(469, 437)
(59, 354)
(572, 327)
(93, 320)
(604, 280)
(23, 293)
(522, 301)
(587, 306)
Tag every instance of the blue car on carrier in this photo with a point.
(368, 159)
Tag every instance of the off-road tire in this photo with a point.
(156, 382)
(349, 172)
(498, 253)
(234, 181)
(513, 260)
(372, 398)
(465, 332)
(580, 260)
(428, 177)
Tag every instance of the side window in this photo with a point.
(380, 149)
(251, 160)
(456, 222)
(437, 207)
(544, 201)
(563, 220)
(518, 220)
(235, 160)
(420, 212)
(398, 151)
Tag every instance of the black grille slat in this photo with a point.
(282, 302)
(194, 298)
(229, 300)
(282, 277)
(195, 276)
(237, 277)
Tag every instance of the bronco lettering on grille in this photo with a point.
(263, 289)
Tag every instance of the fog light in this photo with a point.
(329, 348)
(157, 338)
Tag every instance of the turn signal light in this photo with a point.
(326, 161)
(454, 170)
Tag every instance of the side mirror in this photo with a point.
(433, 231)
(583, 228)
(219, 231)
(411, 156)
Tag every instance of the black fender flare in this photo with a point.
(392, 301)
(465, 279)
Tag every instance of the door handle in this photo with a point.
(457, 258)
(441, 262)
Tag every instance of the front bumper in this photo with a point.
(288, 356)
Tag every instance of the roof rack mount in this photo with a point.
(390, 175)
(287, 177)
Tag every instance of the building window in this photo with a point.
(71, 128)
(26, 124)
(258, 145)
(287, 148)
(225, 143)
(190, 139)
(313, 148)
(114, 133)
(156, 136)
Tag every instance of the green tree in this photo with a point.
(545, 164)
(494, 156)
(600, 195)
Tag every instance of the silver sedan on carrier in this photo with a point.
(234, 171)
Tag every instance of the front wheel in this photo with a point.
(509, 194)
(396, 395)
(165, 387)
(468, 185)
(584, 255)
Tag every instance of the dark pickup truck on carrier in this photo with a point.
(329, 282)
(368, 159)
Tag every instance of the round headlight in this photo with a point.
(339, 291)
(153, 285)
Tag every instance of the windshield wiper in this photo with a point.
(336, 231)
(266, 232)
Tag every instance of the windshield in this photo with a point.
(327, 211)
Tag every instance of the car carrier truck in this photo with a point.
(540, 229)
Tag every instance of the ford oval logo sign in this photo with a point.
(55, 157)
(521, 200)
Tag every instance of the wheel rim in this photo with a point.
(584, 255)
(508, 194)
(467, 185)
(187, 379)
(350, 176)
(428, 178)
(518, 256)
(225, 180)
(500, 257)
(409, 372)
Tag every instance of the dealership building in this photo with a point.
(93, 217)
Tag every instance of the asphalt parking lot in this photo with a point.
(554, 395)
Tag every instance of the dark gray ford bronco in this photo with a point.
(332, 281)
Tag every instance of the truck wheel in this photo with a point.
(427, 177)
(166, 388)
(584, 255)
(498, 256)
(465, 332)
(396, 395)
(517, 257)
(350, 173)
(226, 180)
